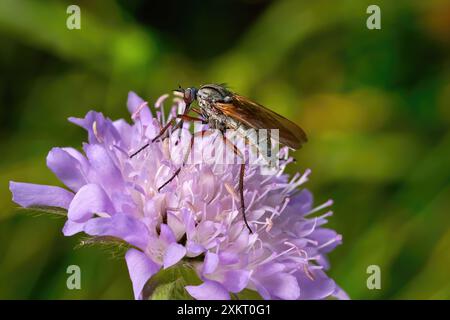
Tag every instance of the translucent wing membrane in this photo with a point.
(257, 116)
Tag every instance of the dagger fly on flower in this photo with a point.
(223, 110)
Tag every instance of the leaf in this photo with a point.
(171, 291)
(169, 284)
(38, 211)
(248, 294)
(114, 246)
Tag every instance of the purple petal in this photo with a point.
(29, 195)
(104, 129)
(340, 294)
(141, 269)
(194, 249)
(176, 225)
(89, 199)
(207, 183)
(174, 253)
(327, 239)
(210, 263)
(306, 199)
(228, 257)
(319, 288)
(66, 168)
(78, 156)
(167, 235)
(236, 280)
(209, 290)
(268, 269)
(71, 227)
(121, 226)
(281, 285)
(106, 170)
(134, 102)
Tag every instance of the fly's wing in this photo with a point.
(257, 116)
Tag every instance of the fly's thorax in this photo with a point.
(213, 93)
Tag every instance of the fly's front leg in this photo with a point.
(167, 126)
(163, 130)
(186, 157)
(183, 118)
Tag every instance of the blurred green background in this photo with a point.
(375, 103)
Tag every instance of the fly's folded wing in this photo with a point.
(257, 116)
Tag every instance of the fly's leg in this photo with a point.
(241, 179)
(186, 157)
(241, 193)
(167, 126)
(183, 118)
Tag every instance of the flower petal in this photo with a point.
(209, 290)
(268, 269)
(327, 239)
(100, 129)
(281, 285)
(176, 225)
(174, 253)
(121, 226)
(134, 103)
(167, 235)
(210, 263)
(194, 249)
(89, 199)
(104, 167)
(340, 294)
(71, 227)
(236, 280)
(29, 195)
(66, 168)
(319, 288)
(141, 269)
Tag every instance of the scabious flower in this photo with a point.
(195, 219)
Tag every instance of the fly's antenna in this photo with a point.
(179, 89)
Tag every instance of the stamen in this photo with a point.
(337, 238)
(136, 113)
(269, 223)
(322, 206)
(305, 176)
(295, 177)
(311, 230)
(262, 195)
(286, 202)
(231, 191)
(308, 272)
(94, 129)
(252, 201)
(160, 101)
(217, 194)
(323, 217)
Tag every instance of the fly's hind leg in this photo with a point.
(241, 193)
(241, 180)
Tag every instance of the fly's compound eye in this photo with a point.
(190, 95)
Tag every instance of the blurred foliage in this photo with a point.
(375, 103)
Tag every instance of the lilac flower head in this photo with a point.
(195, 219)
